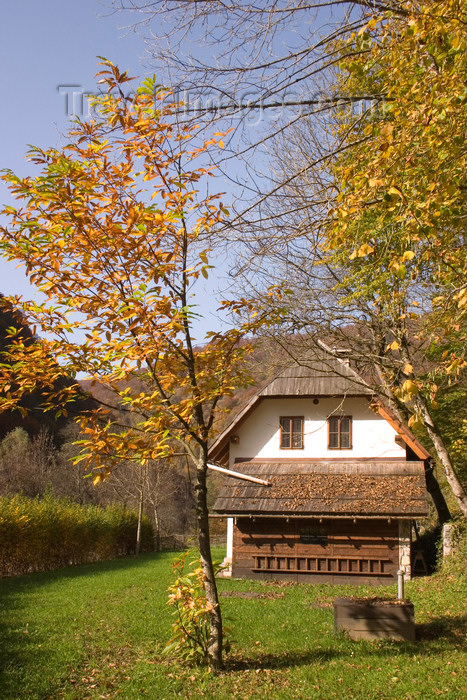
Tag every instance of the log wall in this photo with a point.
(306, 550)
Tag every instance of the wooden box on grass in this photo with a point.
(363, 618)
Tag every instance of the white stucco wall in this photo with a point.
(372, 436)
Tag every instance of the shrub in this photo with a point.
(190, 640)
(40, 534)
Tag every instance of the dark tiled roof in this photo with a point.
(377, 489)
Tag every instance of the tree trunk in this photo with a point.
(443, 455)
(215, 637)
(434, 489)
(431, 482)
(157, 530)
(140, 518)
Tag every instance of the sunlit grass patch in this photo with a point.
(97, 631)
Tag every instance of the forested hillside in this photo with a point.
(37, 449)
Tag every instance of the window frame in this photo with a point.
(314, 535)
(291, 432)
(340, 433)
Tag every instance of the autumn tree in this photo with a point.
(365, 223)
(398, 224)
(113, 231)
(262, 69)
(363, 95)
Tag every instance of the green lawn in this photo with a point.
(96, 631)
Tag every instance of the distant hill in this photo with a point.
(36, 418)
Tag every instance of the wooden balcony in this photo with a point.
(348, 566)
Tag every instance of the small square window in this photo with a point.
(340, 433)
(291, 433)
(311, 535)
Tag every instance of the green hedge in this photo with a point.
(47, 533)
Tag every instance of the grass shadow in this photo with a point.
(36, 579)
(431, 639)
(451, 629)
(279, 661)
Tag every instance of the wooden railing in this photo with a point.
(348, 566)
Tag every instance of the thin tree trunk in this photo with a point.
(443, 455)
(157, 531)
(434, 489)
(140, 519)
(215, 637)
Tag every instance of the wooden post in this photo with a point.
(238, 475)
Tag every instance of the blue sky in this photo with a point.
(45, 45)
(46, 48)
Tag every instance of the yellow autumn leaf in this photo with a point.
(409, 387)
(408, 368)
(415, 421)
(461, 298)
(396, 191)
(387, 130)
(398, 268)
(364, 250)
(408, 255)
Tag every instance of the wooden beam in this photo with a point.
(238, 475)
(401, 430)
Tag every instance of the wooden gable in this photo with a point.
(322, 376)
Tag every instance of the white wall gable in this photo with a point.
(259, 435)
